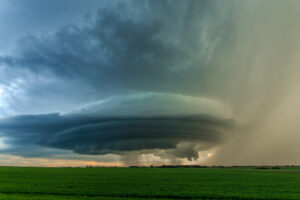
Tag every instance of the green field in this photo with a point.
(18, 183)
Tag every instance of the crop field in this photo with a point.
(18, 183)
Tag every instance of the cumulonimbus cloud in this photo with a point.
(121, 124)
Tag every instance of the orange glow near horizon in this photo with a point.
(8, 160)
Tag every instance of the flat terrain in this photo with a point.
(18, 183)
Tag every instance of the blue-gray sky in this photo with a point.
(174, 81)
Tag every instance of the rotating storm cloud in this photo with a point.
(208, 82)
(124, 124)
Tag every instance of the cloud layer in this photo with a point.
(120, 51)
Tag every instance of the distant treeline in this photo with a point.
(205, 166)
(214, 166)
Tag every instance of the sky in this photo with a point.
(138, 82)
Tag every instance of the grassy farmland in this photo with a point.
(148, 183)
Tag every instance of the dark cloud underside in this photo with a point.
(100, 135)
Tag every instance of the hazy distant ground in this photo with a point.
(148, 183)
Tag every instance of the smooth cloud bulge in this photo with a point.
(150, 121)
(154, 104)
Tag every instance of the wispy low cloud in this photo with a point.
(152, 121)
